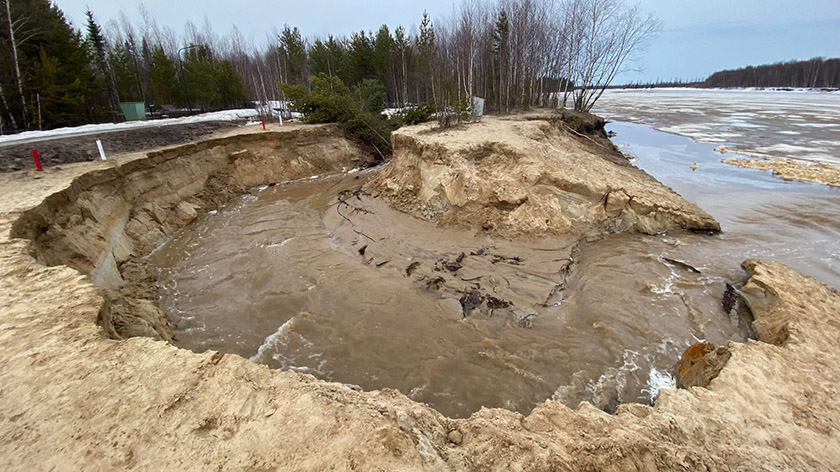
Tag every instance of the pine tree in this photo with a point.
(329, 57)
(501, 39)
(199, 70)
(383, 47)
(40, 27)
(126, 72)
(163, 83)
(292, 52)
(403, 50)
(230, 91)
(361, 58)
(427, 49)
(99, 48)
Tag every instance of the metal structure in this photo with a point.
(183, 76)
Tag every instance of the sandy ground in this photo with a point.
(73, 399)
(787, 169)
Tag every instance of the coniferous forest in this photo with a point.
(813, 73)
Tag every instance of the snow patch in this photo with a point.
(227, 115)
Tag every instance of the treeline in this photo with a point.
(53, 75)
(814, 73)
(673, 83)
(512, 53)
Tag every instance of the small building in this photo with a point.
(134, 111)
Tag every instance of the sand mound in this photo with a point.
(528, 175)
(789, 169)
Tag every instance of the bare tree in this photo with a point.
(6, 106)
(14, 27)
(612, 32)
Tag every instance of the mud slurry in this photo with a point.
(322, 277)
(75, 397)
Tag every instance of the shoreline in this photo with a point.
(787, 168)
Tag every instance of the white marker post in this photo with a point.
(101, 150)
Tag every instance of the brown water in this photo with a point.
(279, 277)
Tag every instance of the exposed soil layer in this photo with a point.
(75, 399)
(106, 221)
(322, 277)
(64, 150)
(528, 176)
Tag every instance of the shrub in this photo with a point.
(418, 114)
(357, 111)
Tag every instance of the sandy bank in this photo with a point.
(73, 398)
(529, 175)
(787, 169)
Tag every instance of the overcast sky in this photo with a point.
(699, 36)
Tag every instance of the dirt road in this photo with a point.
(82, 147)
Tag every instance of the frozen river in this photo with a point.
(803, 125)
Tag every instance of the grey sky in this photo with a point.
(700, 36)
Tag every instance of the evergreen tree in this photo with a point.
(427, 49)
(383, 46)
(329, 57)
(99, 48)
(200, 76)
(126, 72)
(292, 52)
(229, 88)
(500, 41)
(361, 58)
(47, 43)
(402, 48)
(163, 84)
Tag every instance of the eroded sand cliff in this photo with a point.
(106, 221)
(528, 175)
(72, 398)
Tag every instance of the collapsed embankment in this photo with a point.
(106, 221)
(530, 175)
(74, 399)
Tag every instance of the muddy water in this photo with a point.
(313, 277)
(791, 124)
(761, 215)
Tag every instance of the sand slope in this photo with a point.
(528, 175)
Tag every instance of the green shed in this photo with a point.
(134, 111)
